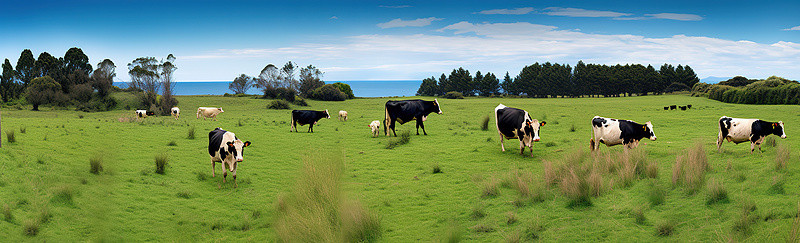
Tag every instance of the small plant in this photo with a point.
(511, 218)
(256, 214)
(10, 136)
(716, 193)
(40, 159)
(485, 123)
(656, 194)
(478, 211)
(279, 105)
(190, 133)
(185, 194)
(782, 157)
(665, 228)
(436, 168)
(240, 123)
(638, 216)
(172, 143)
(161, 162)
(491, 188)
(245, 225)
(404, 138)
(217, 225)
(453, 95)
(31, 227)
(96, 164)
(7, 215)
(63, 195)
(572, 128)
(23, 129)
(482, 228)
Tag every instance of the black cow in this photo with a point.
(689, 106)
(672, 107)
(739, 130)
(408, 110)
(666, 107)
(516, 123)
(225, 148)
(611, 132)
(683, 108)
(303, 117)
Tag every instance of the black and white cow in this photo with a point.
(408, 110)
(225, 148)
(738, 130)
(516, 123)
(612, 132)
(303, 117)
(144, 113)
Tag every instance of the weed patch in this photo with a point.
(665, 228)
(161, 160)
(485, 123)
(782, 157)
(96, 164)
(491, 188)
(190, 133)
(482, 228)
(172, 143)
(478, 211)
(716, 192)
(31, 227)
(63, 195)
(436, 169)
(690, 168)
(11, 137)
(511, 218)
(404, 138)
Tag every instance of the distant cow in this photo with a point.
(225, 148)
(176, 112)
(738, 130)
(144, 113)
(666, 108)
(408, 110)
(516, 123)
(689, 106)
(672, 107)
(342, 115)
(375, 126)
(612, 132)
(683, 108)
(208, 112)
(303, 117)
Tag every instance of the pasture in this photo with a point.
(45, 176)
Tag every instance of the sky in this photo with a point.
(411, 40)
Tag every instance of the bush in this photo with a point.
(11, 137)
(674, 87)
(453, 95)
(329, 92)
(345, 88)
(42, 90)
(161, 162)
(278, 105)
(81, 92)
(716, 193)
(404, 138)
(96, 164)
(190, 133)
(299, 101)
(485, 123)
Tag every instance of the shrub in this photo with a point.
(43, 90)
(690, 168)
(81, 92)
(161, 160)
(278, 105)
(345, 88)
(10, 136)
(665, 228)
(782, 157)
(7, 215)
(404, 138)
(300, 102)
(31, 227)
(655, 194)
(190, 133)
(329, 92)
(436, 168)
(716, 193)
(96, 164)
(453, 95)
(172, 143)
(485, 123)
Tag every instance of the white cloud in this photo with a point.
(395, 6)
(408, 23)
(501, 47)
(676, 16)
(577, 12)
(334, 17)
(516, 11)
(794, 28)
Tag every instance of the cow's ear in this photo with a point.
(528, 123)
(542, 124)
(246, 144)
(644, 127)
(774, 125)
(230, 144)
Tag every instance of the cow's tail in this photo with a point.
(291, 122)
(386, 121)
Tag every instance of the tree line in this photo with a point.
(558, 80)
(771, 91)
(285, 83)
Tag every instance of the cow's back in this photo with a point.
(509, 120)
(215, 138)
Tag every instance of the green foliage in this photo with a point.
(10, 88)
(311, 81)
(300, 102)
(716, 193)
(42, 90)
(190, 133)
(241, 84)
(485, 123)
(7, 214)
(329, 92)
(161, 160)
(96, 164)
(278, 105)
(429, 87)
(404, 138)
(655, 193)
(453, 95)
(771, 91)
(11, 137)
(31, 227)
(345, 88)
(665, 228)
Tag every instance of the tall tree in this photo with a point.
(42, 90)
(310, 79)
(429, 87)
(287, 76)
(26, 67)
(168, 100)
(241, 84)
(145, 74)
(9, 89)
(489, 85)
(475, 83)
(47, 65)
(103, 77)
(75, 59)
(508, 85)
(459, 80)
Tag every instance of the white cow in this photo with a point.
(176, 112)
(739, 130)
(342, 115)
(375, 125)
(209, 112)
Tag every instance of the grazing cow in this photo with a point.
(408, 110)
(342, 115)
(516, 123)
(666, 108)
(176, 112)
(303, 117)
(613, 132)
(225, 148)
(738, 130)
(144, 113)
(689, 106)
(375, 126)
(672, 107)
(208, 112)
(683, 108)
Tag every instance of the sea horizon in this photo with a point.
(361, 88)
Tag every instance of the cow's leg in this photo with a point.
(422, 125)
(752, 147)
(521, 147)
(310, 127)
(213, 168)
(235, 184)
(224, 173)
(391, 124)
(418, 127)
(720, 139)
(502, 146)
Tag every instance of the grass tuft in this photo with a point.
(533, 230)
(404, 138)
(485, 123)
(31, 227)
(572, 128)
(190, 133)
(491, 188)
(744, 223)
(716, 193)
(436, 168)
(240, 123)
(777, 186)
(23, 129)
(514, 237)
(511, 218)
(655, 194)
(201, 176)
(11, 137)
(184, 194)
(690, 168)
(550, 144)
(652, 170)
(96, 164)
(7, 215)
(638, 216)
(482, 228)
(665, 228)
(63, 195)
(770, 141)
(782, 157)
(452, 234)
(478, 211)
(161, 160)
(172, 143)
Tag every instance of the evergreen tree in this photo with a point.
(429, 87)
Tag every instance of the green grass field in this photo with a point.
(47, 172)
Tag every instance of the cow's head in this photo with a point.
(777, 129)
(150, 113)
(436, 105)
(220, 110)
(236, 150)
(648, 130)
(531, 132)
(327, 115)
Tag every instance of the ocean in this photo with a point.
(378, 88)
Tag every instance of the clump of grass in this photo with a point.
(491, 188)
(655, 194)
(572, 128)
(184, 194)
(201, 176)
(716, 192)
(478, 211)
(7, 215)
(246, 223)
(652, 170)
(690, 168)
(23, 129)
(771, 141)
(595, 183)
(316, 210)
(63, 195)
(11, 137)
(44, 215)
(638, 216)
(550, 144)
(190, 133)
(404, 138)
(485, 123)
(665, 228)
(576, 189)
(782, 157)
(40, 159)
(80, 116)
(436, 169)
(482, 228)
(96, 164)
(161, 160)
(533, 230)
(256, 214)
(794, 232)
(172, 143)
(777, 186)
(511, 218)
(452, 234)
(217, 225)
(744, 223)
(31, 227)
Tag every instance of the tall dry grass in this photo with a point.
(690, 168)
(782, 157)
(794, 232)
(316, 209)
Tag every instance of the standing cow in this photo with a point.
(342, 115)
(612, 132)
(516, 123)
(738, 130)
(375, 126)
(209, 112)
(176, 112)
(143, 113)
(408, 110)
(303, 117)
(225, 148)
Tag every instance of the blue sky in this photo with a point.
(396, 40)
